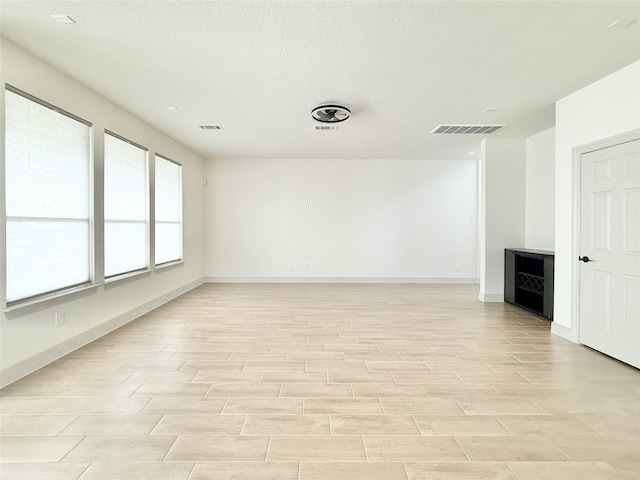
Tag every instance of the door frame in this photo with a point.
(577, 152)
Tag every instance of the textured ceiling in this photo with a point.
(258, 68)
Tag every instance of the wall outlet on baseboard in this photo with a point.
(291, 266)
(59, 318)
(308, 265)
(457, 266)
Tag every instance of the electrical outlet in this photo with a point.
(457, 266)
(59, 318)
(308, 265)
(291, 266)
(308, 206)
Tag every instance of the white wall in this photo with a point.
(540, 191)
(608, 107)
(502, 211)
(371, 219)
(31, 340)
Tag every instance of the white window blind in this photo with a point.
(125, 206)
(168, 209)
(47, 188)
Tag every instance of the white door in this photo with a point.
(610, 238)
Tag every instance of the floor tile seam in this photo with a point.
(528, 436)
(364, 448)
(569, 459)
(404, 469)
(59, 432)
(164, 459)
(60, 460)
(455, 437)
(538, 406)
(459, 378)
(494, 387)
(79, 477)
(144, 406)
(221, 412)
(424, 389)
(579, 415)
(191, 472)
(462, 408)
(266, 453)
(503, 425)
(156, 424)
(380, 402)
(206, 394)
(413, 417)
(512, 470)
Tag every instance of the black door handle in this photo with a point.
(585, 259)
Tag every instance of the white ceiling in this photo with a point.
(258, 68)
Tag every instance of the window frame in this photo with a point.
(180, 258)
(146, 268)
(81, 287)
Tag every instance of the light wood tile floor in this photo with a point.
(302, 382)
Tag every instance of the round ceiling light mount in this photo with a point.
(330, 113)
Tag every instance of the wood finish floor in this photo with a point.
(372, 382)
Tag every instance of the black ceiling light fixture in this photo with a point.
(330, 113)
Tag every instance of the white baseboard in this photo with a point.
(52, 354)
(564, 332)
(339, 280)
(491, 297)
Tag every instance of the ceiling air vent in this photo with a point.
(467, 129)
(210, 127)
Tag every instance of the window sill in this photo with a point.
(126, 278)
(169, 265)
(46, 301)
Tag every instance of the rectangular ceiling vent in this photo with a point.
(210, 127)
(467, 129)
(325, 128)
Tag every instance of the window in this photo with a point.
(48, 198)
(125, 206)
(168, 209)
